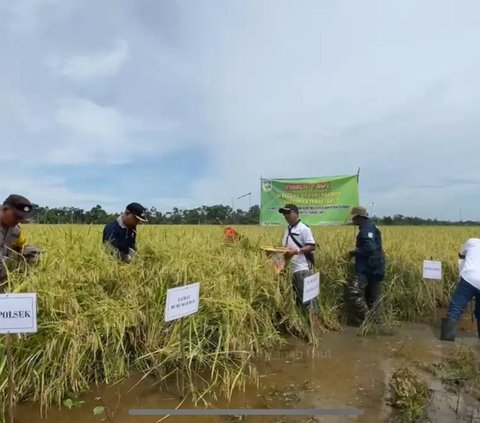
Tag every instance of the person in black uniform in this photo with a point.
(364, 291)
(121, 234)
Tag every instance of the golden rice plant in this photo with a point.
(100, 320)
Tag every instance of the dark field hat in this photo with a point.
(138, 210)
(20, 205)
(288, 208)
(359, 211)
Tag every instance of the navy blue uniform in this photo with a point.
(370, 261)
(120, 237)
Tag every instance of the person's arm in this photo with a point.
(308, 242)
(463, 251)
(111, 237)
(366, 243)
(108, 234)
(19, 244)
(306, 249)
(132, 250)
(134, 241)
(284, 238)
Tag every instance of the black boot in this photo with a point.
(448, 329)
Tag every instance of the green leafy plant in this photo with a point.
(98, 410)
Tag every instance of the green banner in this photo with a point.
(321, 201)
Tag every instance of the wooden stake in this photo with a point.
(433, 283)
(182, 351)
(312, 326)
(8, 344)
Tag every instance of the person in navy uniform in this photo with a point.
(121, 234)
(364, 291)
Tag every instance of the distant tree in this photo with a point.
(213, 215)
(97, 215)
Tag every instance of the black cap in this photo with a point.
(288, 208)
(20, 205)
(138, 210)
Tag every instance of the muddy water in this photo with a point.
(344, 372)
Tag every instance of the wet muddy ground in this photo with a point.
(344, 372)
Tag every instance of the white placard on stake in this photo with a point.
(432, 269)
(182, 301)
(311, 287)
(18, 313)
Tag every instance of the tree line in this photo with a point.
(204, 215)
(399, 219)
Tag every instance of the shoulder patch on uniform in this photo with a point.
(370, 234)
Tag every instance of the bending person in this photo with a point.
(13, 244)
(121, 234)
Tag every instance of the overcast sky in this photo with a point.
(183, 103)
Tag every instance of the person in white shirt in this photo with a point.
(299, 239)
(468, 287)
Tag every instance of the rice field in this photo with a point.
(100, 320)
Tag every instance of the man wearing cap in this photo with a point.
(364, 291)
(121, 234)
(15, 209)
(298, 237)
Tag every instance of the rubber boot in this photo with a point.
(448, 329)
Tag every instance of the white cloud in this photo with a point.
(51, 191)
(87, 67)
(87, 119)
(96, 134)
(91, 133)
(28, 17)
(315, 88)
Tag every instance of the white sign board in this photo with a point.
(311, 287)
(432, 269)
(182, 301)
(18, 313)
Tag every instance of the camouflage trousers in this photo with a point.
(362, 294)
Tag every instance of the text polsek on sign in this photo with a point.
(18, 313)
